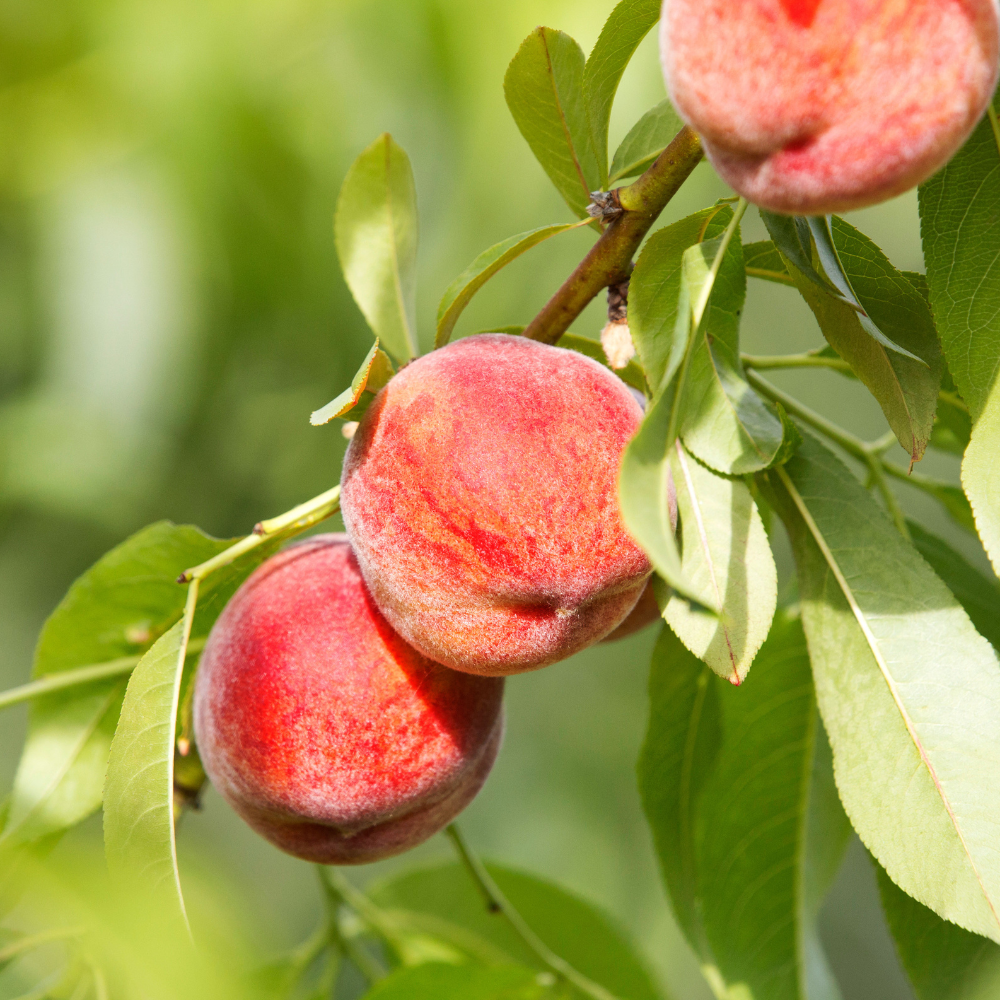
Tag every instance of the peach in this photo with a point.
(817, 106)
(480, 493)
(322, 728)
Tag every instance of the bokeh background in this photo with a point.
(171, 310)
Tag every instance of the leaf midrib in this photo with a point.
(890, 682)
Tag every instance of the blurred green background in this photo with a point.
(171, 311)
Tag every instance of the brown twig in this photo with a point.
(610, 259)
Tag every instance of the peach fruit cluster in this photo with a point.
(348, 701)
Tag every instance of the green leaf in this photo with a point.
(906, 390)
(981, 476)
(657, 316)
(737, 788)
(724, 423)
(572, 928)
(459, 293)
(374, 373)
(831, 260)
(451, 982)
(644, 496)
(979, 595)
(763, 260)
(628, 25)
(139, 838)
(376, 234)
(793, 241)
(943, 961)
(631, 374)
(909, 692)
(116, 609)
(959, 207)
(648, 137)
(727, 558)
(544, 91)
(952, 427)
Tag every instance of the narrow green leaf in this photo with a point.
(374, 373)
(117, 608)
(463, 982)
(909, 692)
(943, 961)
(832, 263)
(139, 838)
(906, 390)
(459, 293)
(647, 138)
(627, 26)
(979, 595)
(793, 240)
(572, 928)
(631, 374)
(981, 476)
(959, 207)
(763, 260)
(727, 558)
(724, 423)
(657, 316)
(644, 497)
(958, 216)
(376, 234)
(737, 788)
(544, 91)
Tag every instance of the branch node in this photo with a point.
(605, 206)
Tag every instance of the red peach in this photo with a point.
(322, 728)
(817, 106)
(480, 494)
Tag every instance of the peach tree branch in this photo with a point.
(609, 260)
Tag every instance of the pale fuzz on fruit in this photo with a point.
(481, 495)
(322, 728)
(816, 106)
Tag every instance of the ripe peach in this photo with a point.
(322, 728)
(817, 106)
(480, 493)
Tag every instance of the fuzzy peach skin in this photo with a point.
(322, 728)
(817, 106)
(480, 493)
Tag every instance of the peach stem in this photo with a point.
(289, 524)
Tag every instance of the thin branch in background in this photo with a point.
(366, 964)
(497, 902)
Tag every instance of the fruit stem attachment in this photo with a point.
(291, 523)
(610, 259)
(497, 902)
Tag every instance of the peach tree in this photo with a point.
(521, 493)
